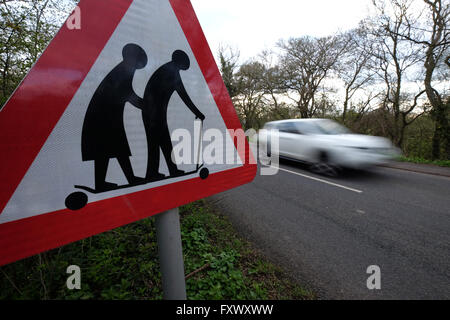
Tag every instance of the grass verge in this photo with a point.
(441, 163)
(123, 264)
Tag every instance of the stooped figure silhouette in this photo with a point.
(103, 134)
(162, 84)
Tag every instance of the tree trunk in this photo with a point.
(441, 137)
(344, 112)
(436, 146)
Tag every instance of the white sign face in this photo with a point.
(124, 115)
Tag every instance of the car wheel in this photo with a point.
(323, 166)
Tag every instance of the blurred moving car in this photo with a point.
(326, 145)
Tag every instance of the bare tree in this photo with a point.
(433, 35)
(306, 62)
(251, 101)
(356, 69)
(273, 87)
(395, 60)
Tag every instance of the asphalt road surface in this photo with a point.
(326, 232)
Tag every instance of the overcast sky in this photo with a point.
(254, 25)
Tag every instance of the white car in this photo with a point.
(325, 144)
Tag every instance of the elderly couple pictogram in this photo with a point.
(103, 135)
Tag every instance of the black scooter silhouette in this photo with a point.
(77, 200)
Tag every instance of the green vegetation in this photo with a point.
(442, 163)
(123, 264)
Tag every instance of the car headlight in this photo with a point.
(382, 151)
(360, 148)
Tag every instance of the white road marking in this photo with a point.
(320, 180)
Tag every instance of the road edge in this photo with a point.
(419, 168)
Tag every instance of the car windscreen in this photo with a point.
(331, 127)
(304, 127)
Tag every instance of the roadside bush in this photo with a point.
(123, 264)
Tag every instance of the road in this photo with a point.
(326, 232)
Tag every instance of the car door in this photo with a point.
(307, 140)
(288, 134)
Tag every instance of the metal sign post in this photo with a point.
(168, 235)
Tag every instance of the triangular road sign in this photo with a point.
(82, 135)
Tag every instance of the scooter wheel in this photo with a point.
(76, 201)
(204, 173)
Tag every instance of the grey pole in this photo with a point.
(168, 235)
